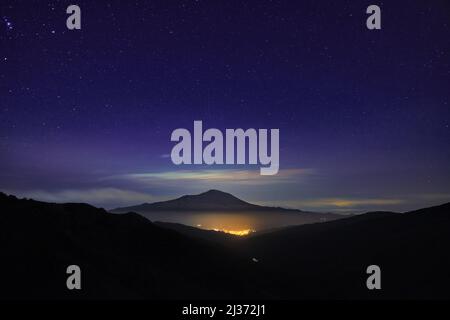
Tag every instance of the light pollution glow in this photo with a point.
(244, 232)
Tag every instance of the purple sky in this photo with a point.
(363, 115)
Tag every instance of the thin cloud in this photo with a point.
(346, 203)
(249, 177)
(337, 205)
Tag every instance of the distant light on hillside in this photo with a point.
(244, 232)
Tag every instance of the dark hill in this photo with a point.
(127, 256)
(121, 256)
(329, 260)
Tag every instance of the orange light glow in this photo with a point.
(241, 233)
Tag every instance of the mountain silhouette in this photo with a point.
(126, 256)
(221, 202)
(212, 200)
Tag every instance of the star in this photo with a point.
(8, 23)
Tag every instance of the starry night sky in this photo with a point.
(364, 116)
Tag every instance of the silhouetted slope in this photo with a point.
(209, 235)
(121, 256)
(329, 260)
(210, 200)
(126, 256)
